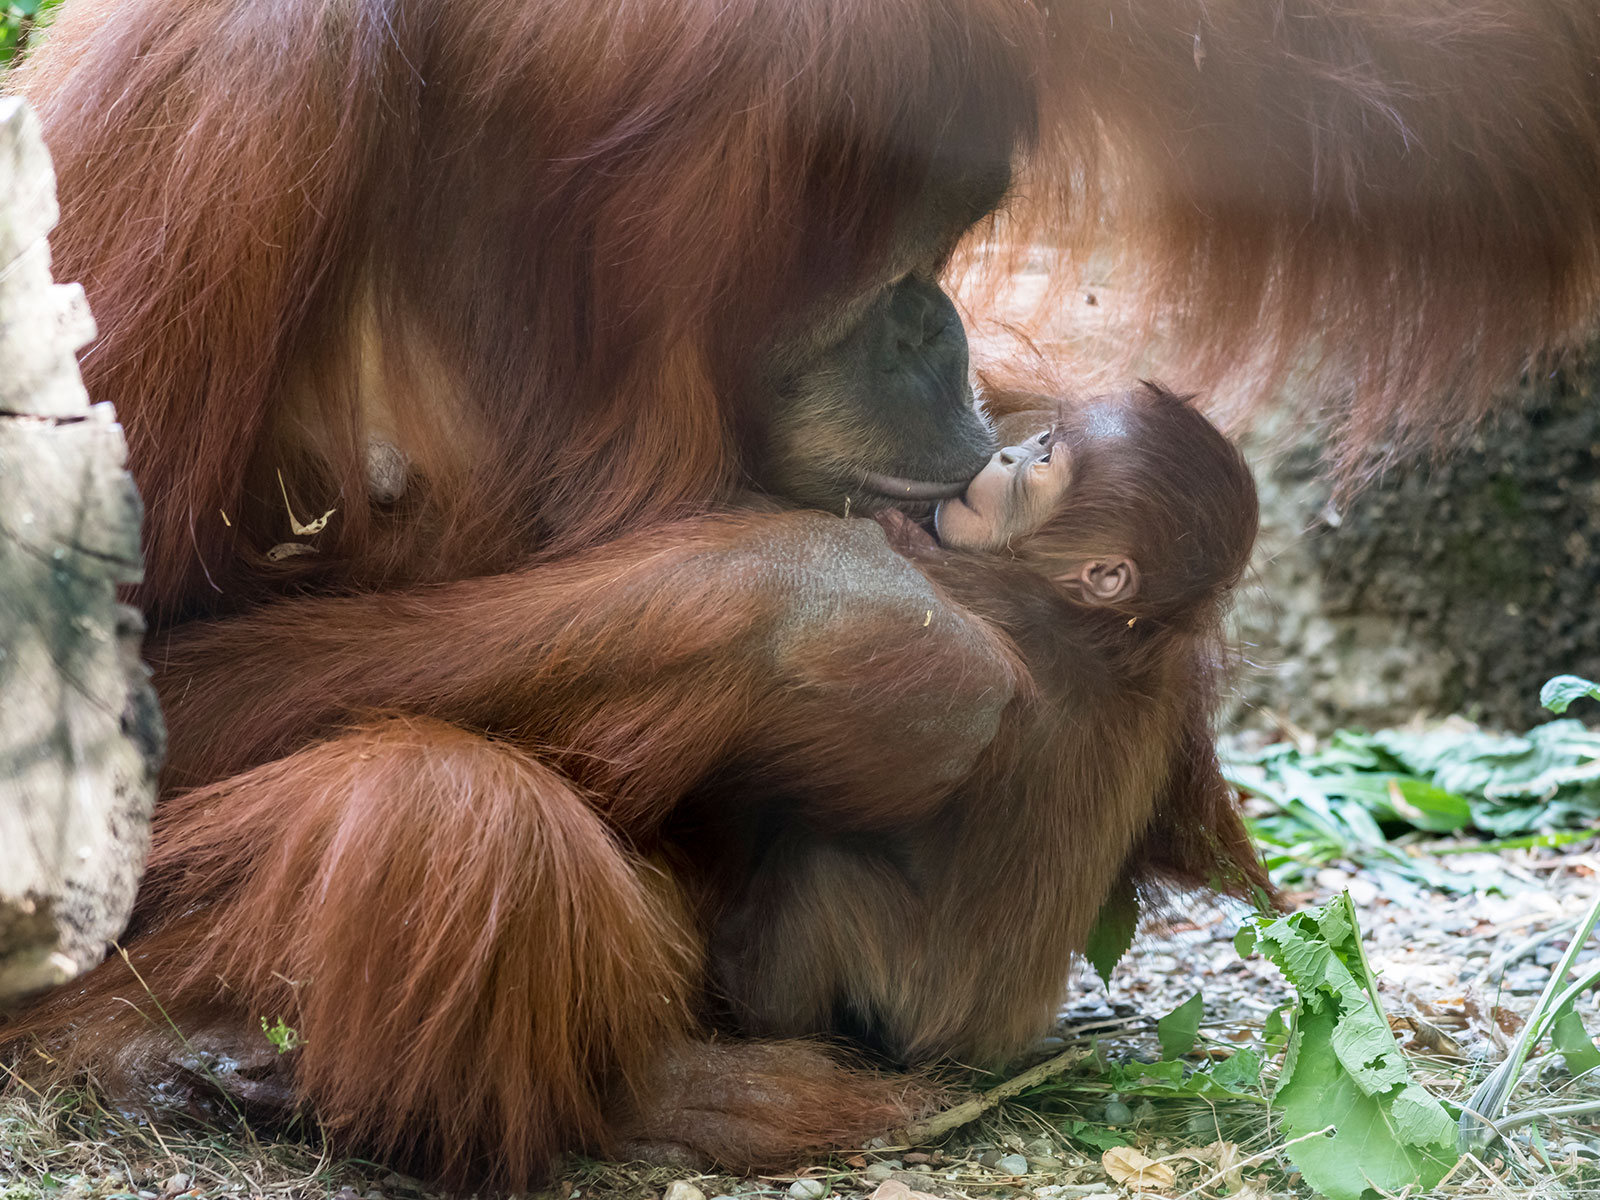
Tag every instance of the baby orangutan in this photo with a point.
(1105, 547)
(1103, 503)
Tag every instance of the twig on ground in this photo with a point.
(921, 1132)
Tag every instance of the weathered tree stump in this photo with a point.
(80, 732)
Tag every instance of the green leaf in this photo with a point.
(1275, 1029)
(1113, 930)
(1179, 1028)
(1573, 1042)
(1558, 693)
(1132, 1075)
(1343, 1069)
(1241, 1073)
(1245, 940)
(1416, 801)
(1497, 766)
(1235, 1078)
(1096, 1136)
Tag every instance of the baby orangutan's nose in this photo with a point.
(1010, 456)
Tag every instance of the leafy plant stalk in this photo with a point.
(1489, 1098)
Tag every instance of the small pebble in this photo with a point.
(990, 1159)
(1363, 892)
(178, 1183)
(918, 1157)
(1087, 1012)
(1118, 1113)
(373, 1194)
(808, 1189)
(1013, 1164)
(1040, 1148)
(878, 1172)
(1525, 981)
(146, 1195)
(682, 1189)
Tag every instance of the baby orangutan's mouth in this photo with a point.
(895, 488)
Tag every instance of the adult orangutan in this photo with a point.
(526, 303)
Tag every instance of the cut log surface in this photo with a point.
(80, 732)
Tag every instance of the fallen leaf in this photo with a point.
(893, 1189)
(1127, 1166)
(1228, 1166)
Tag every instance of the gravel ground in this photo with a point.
(1457, 974)
(1463, 955)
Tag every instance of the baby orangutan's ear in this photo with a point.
(1103, 580)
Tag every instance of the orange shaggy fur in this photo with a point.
(419, 777)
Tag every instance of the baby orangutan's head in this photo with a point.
(1133, 501)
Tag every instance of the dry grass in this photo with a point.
(68, 1145)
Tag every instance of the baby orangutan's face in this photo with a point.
(1011, 497)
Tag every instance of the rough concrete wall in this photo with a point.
(1458, 585)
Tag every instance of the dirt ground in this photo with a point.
(1456, 973)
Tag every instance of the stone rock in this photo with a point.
(682, 1189)
(1453, 585)
(808, 1189)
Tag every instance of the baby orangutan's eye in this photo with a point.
(1044, 459)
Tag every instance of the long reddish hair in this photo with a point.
(1153, 479)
